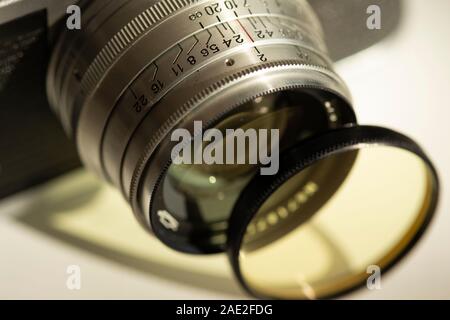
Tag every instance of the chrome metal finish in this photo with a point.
(143, 68)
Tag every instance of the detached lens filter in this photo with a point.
(342, 202)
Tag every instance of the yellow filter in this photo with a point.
(370, 220)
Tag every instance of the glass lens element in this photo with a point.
(369, 221)
(202, 196)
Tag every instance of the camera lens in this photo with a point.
(140, 75)
(139, 70)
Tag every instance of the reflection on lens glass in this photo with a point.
(204, 195)
(278, 215)
(371, 218)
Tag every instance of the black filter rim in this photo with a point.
(302, 156)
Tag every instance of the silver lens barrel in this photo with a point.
(139, 69)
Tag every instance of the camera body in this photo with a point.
(33, 146)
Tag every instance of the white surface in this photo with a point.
(402, 83)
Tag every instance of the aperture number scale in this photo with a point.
(214, 40)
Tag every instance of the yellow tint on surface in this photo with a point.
(369, 221)
(80, 211)
(107, 221)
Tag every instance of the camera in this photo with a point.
(140, 81)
